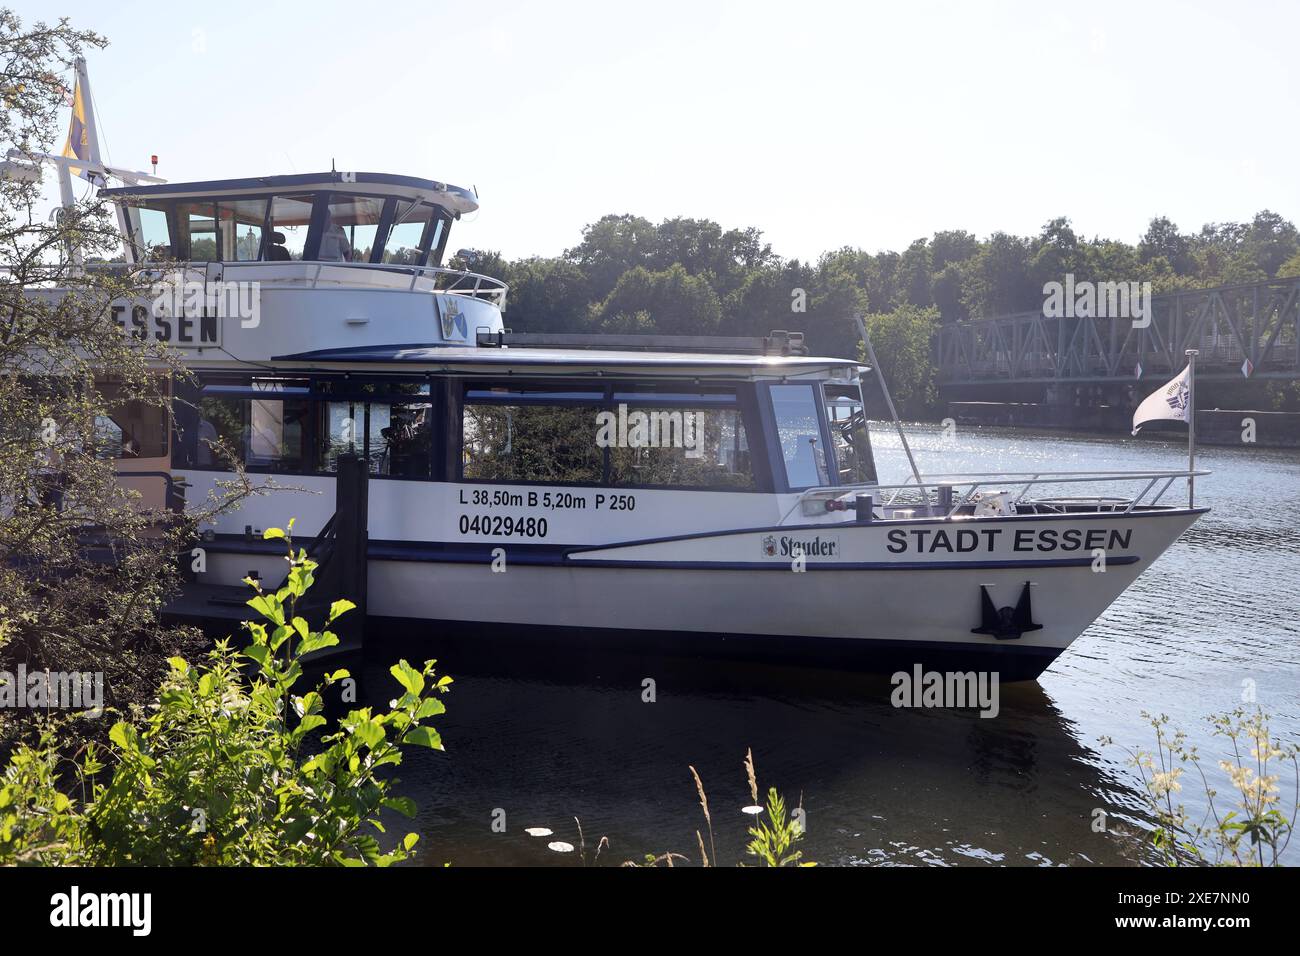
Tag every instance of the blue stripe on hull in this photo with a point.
(558, 556)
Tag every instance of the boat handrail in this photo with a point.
(460, 281)
(457, 281)
(975, 482)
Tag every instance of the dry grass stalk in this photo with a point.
(704, 803)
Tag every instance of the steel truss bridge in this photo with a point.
(1230, 325)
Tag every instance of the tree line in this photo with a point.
(691, 276)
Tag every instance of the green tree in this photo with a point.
(611, 246)
(76, 396)
(998, 280)
(546, 295)
(901, 339)
(671, 302)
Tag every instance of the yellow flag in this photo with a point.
(78, 144)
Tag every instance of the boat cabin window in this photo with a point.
(674, 437)
(301, 426)
(267, 432)
(416, 229)
(531, 435)
(394, 437)
(798, 428)
(646, 436)
(133, 428)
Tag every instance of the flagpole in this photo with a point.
(1191, 425)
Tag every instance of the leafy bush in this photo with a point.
(233, 766)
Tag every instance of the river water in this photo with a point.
(536, 738)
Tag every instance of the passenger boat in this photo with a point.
(690, 492)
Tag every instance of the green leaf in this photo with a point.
(308, 724)
(403, 805)
(269, 607)
(408, 677)
(315, 642)
(423, 737)
(258, 652)
(370, 732)
(339, 607)
(278, 636)
(430, 707)
(270, 533)
(124, 735)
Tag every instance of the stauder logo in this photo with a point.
(787, 547)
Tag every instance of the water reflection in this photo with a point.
(549, 733)
(546, 736)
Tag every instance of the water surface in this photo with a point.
(537, 736)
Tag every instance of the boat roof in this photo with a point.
(573, 361)
(454, 198)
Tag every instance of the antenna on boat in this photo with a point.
(81, 151)
(80, 154)
(889, 401)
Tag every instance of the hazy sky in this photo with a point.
(823, 124)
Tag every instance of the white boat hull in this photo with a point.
(896, 592)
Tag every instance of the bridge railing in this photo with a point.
(1258, 324)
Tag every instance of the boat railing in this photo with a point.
(954, 491)
(438, 278)
(311, 274)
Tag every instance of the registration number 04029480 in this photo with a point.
(506, 526)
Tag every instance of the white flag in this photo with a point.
(1167, 403)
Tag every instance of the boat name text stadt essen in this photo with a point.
(967, 540)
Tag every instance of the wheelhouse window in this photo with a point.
(351, 228)
(290, 222)
(416, 227)
(531, 436)
(798, 429)
(149, 232)
(849, 436)
(323, 226)
(198, 226)
(243, 222)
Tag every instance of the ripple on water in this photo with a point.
(558, 735)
